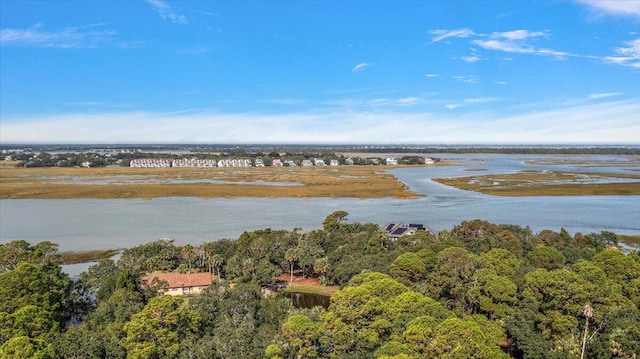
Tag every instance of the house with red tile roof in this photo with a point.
(181, 284)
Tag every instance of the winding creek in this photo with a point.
(84, 224)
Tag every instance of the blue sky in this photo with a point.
(321, 72)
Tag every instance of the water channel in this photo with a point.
(84, 224)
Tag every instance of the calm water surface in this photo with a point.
(82, 224)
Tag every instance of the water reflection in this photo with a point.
(308, 300)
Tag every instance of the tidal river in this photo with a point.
(83, 224)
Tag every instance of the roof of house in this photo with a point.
(400, 229)
(178, 280)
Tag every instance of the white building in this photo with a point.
(193, 162)
(150, 162)
(235, 162)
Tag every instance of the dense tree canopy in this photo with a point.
(480, 290)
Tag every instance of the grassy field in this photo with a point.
(269, 182)
(313, 289)
(548, 183)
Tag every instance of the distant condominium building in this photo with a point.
(234, 162)
(193, 162)
(189, 162)
(150, 162)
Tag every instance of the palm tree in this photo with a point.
(291, 255)
(188, 253)
(322, 266)
(215, 261)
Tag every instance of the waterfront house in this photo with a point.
(178, 284)
(397, 230)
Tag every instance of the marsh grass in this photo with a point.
(632, 240)
(344, 181)
(548, 183)
(9, 164)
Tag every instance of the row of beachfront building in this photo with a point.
(231, 162)
(245, 162)
(189, 162)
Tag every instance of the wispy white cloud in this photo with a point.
(409, 101)
(86, 103)
(597, 96)
(210, 14)
(360, 67)
(431, 75)
(471, 101)
(466, 79)
(362, 90)
(525, 41)
(445, 34)
(379, 102)
(602, 122)
(166, 12)
(284, 101)
(517, 35)
(500, 82)
(69, 37)
(481, 99)
(471, 58)
(614, 7)
(518, 41)
(626, 56)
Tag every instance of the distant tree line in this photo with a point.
(96, 159)
(478, 290)
(526, 150)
